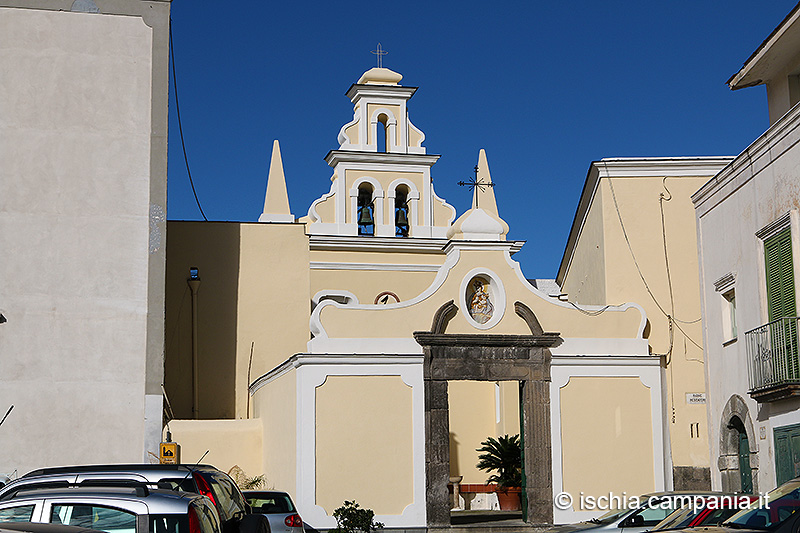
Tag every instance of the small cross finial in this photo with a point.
(475, 183)
(380, 52)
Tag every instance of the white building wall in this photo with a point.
(80, 353)
(759, 187)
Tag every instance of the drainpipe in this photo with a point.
(194, 285)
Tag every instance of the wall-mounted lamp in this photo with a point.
(194, 285)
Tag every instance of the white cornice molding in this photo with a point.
(298, 360)
(761, 153)
(511, 247)
(376, 244)
(336, 157)
(358, 91)
(776, 226)
(382, 267)
(672, 167)
(725, 282)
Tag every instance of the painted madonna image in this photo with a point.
(480, 304)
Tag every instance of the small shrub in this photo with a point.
(350, 518)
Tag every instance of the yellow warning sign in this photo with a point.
(169, 453)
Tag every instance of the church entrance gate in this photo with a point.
(482, 357)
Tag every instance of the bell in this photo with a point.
(364, 216)
(401, 218)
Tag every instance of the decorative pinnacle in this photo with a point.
(380, 52)
(475, 183)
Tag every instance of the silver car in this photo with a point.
(114, 509)
(278, 508)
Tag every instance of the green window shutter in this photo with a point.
(780, 276)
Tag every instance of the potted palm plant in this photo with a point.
(503, 456)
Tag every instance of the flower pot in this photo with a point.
(509, 499)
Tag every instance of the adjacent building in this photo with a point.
(83, 147)
(633, 239)
(748, 241)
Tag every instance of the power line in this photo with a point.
(180, 127)
(672, 320)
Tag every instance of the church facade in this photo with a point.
(365, 350)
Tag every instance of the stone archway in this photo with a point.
(483, 357)
(735, 419)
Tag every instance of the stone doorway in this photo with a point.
(485, 357)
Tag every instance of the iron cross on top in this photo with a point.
(475, 183)
(380, 52)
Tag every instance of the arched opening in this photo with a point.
(743, 446)
(366, 210)
(401, 211)
(382, 133)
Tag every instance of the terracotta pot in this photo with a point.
(509, 499)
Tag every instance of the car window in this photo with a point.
(19, 513)
(168, 523)
(206, 516)
(225, 494)
(649, 516)
(96, 517)
(271, 504)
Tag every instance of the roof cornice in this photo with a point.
(747, 76)
(630, 167)
(335, 157)
(376, 244)
(766, 149)
(356, 91)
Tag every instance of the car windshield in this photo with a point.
(611, 516)
(782, 503)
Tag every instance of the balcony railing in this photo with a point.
(773, 362)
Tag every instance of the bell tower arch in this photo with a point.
(381, 146)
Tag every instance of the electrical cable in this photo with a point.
(672, 320)
(590, 313)
(180, 127)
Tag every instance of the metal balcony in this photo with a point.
(772, 360)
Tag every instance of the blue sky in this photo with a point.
(544, 87)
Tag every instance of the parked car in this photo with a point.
(201, 479)
(279, 509)
(120, 509)
(653, 508)
(778, 514)
(706, 512)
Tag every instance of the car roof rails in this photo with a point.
(140, 487)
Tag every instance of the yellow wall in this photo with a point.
(274, 301)
(275, 404)
(249, 296)
(586, 282)
(638, 200)
(229, 443)
(364, 443)
(400, 321)
(606, 436)
(212, 247)
(472, 420)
